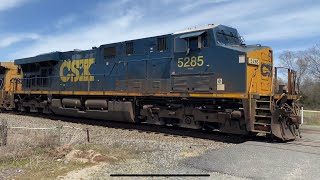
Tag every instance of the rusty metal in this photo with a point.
(293, 82)
(289, 81)
(282, 126)
(275, 81)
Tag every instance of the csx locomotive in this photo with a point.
(201, 78)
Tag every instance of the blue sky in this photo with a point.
(31, 27)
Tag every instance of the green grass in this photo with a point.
(313, 114)
(313, 123)
(311, 118)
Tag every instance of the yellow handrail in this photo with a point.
(253, 75)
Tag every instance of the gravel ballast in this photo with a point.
(153, 152)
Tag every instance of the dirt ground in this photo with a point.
(38, 154)
(127, 149)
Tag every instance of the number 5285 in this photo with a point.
(190, 61)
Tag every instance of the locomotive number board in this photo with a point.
(253, 61)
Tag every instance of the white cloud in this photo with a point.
(86, 37)
(256, 20)
(66, 20)
(8, 4)
(190, 5)
(302, 23)
(133, 15)
(9, 40)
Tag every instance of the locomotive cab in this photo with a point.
(205, 61)
(215, 60)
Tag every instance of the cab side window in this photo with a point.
(180, 45)
(205, 41)
(162, 44)
(193, 43)
(186, 43)
(110, 52)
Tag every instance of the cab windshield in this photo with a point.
(228, 38)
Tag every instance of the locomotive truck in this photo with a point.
(200, 78)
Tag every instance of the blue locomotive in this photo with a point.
(201, 78)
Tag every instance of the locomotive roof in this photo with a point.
(55, 56)
(210, 26)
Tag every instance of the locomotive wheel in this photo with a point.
(282, 127)
(207, 128)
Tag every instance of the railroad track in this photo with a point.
(170, 130)
(143, 127)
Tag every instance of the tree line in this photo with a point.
(306, 64)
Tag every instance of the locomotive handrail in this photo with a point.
(190, 74)
(143, 59)
(282, 67)
(249, 93)
(38, 83)
(291, 84)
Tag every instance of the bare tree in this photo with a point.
(296, 61)
(287, 58)
(313, 56)
(310, 93)
(307, 65)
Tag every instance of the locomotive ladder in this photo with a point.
(263, 115)
(263, 109)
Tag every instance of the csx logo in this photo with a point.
(76, 70)
(266, 69)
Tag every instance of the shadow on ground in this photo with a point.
(166, 130)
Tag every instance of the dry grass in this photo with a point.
(35, 162)
(117, 150)
(36, 154)
(40, 138)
